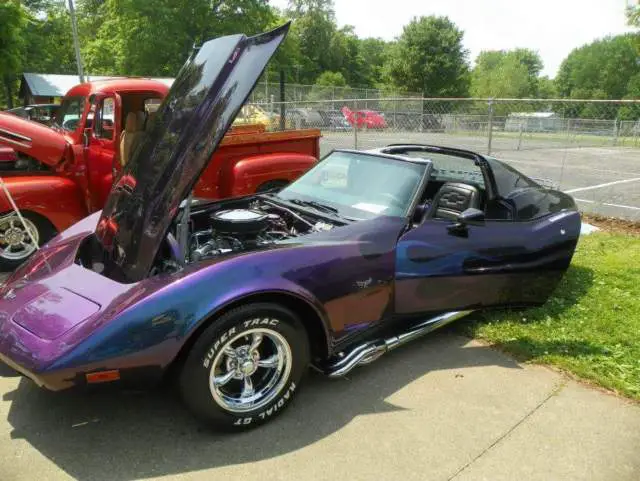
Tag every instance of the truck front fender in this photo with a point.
(33, 139)
(58, 199)
(248, 174)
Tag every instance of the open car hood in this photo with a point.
(200, 107)
(32, 138)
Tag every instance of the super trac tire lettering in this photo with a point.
(231, 332)
(196, 377)
(263, 416)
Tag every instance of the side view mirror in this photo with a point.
(420, 212)
(469, 216)
(86, 137)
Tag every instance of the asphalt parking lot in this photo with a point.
(603, 179)
(442, 408)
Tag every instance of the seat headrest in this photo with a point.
(140, 119)
(150, 117)
(134, 122)
(131, 124)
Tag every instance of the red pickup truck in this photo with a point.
(60, 174)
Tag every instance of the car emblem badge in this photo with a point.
(11, 293)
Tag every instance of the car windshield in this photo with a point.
(357, 185)
(70, 113)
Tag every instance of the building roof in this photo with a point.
(543, 115)
(54, 85)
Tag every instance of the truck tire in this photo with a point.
(272, 184)
(246, 367)
(16, 245)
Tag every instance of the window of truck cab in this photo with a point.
(70, 113)
(104, 117)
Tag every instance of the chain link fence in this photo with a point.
(269, 93)
(588, 148)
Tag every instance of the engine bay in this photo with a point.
(235, 226)
(216, 229)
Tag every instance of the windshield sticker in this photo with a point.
(375, 208)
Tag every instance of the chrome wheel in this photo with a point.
(15, 242)
(250, 370)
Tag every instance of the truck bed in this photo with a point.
(294, 149)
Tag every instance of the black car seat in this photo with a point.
(452, 199)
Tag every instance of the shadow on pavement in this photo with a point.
(120, 436)
(6, 371)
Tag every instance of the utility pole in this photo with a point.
(76, 44)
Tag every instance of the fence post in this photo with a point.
(520, 136)
(615, 131)
(490, 126)
(283, 113)
(395, 111)
(355, 124)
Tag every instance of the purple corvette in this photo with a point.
(366, 251)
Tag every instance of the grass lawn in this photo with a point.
(591, 326)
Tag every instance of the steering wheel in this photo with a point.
(71, 124)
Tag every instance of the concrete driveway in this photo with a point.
(442, 408)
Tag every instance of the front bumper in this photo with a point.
(21, 370)
(21, 350)
(37, 319)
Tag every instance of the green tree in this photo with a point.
(49, 43)
(345, 56)
(429, 58)
(331, 79)
(633, 15)
(329, 85)
(138, 37)
(13, 22)
(631, 111)
(298, 8)
(314, 26)
(547, 88)
(373, 52)
(532, 61)
(511, 74)
(601, 69)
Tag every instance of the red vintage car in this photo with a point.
(57, 175)
(365, 119)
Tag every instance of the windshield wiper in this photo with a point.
(319, 206)
(316, 205)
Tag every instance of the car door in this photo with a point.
(101, 147)
(493, 264)
(497, 260)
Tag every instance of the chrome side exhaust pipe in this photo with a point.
(370, 351)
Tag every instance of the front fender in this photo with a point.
(248, 174)
(32, 138)
(240, 290)
(57, 199)
(148, 323)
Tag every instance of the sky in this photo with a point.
(551, 27)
